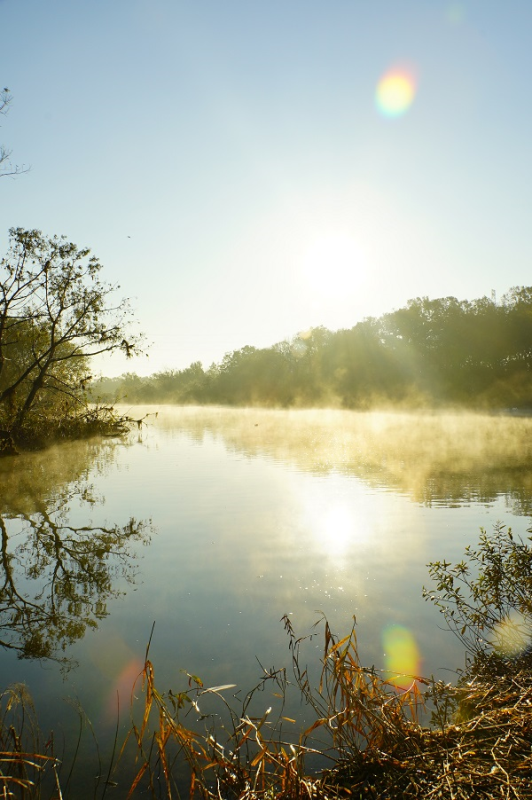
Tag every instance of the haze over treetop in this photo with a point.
(431, 353)
(232, 166)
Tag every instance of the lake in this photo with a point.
(214, 523)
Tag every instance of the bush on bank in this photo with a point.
(478, 743)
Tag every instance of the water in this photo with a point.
(215, 523)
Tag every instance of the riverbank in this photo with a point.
(92, 421)
(478, 745)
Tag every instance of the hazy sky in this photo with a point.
(231, 165)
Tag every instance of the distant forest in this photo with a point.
(442, 352)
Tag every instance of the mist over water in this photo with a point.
(215, 522)
(431, 457)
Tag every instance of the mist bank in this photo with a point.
(431, 353)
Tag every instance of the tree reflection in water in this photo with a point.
(57, 577)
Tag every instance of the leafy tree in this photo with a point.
(486, 599)
(431, 352)
(55, 314)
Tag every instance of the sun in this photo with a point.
(332, 265)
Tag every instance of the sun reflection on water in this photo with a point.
(337, 528)
(337, 525)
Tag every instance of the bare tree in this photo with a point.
(6, 167)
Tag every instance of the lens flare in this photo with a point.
(119, 668)
(455, 13)
(401, 655)
(120, 694)
(395, 93)
(513, 635)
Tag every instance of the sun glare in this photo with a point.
(337, 527)
(333, 265)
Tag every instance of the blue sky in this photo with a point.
(227, 162)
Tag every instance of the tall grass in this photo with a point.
(367, 732)
(366, 737)
(27, 762)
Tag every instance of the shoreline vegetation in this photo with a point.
(368, 728)
(101, 420)
(442, 353)
(57, 315)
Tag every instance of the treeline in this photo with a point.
(475, 354)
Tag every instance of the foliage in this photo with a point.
(55, 314)
(24, 767)
(241, 754)
(367, 732)
(479, 744)
(475, 354)
(486, 599)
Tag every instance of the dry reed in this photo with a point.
(368, 729)
(479, 743)
(371, 737)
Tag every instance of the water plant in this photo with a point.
(26, 760)
(486, 598)
(364, 737)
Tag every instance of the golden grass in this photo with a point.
(368, 730)
(479, 744)
(24, 766)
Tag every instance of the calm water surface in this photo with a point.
(215, 523)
